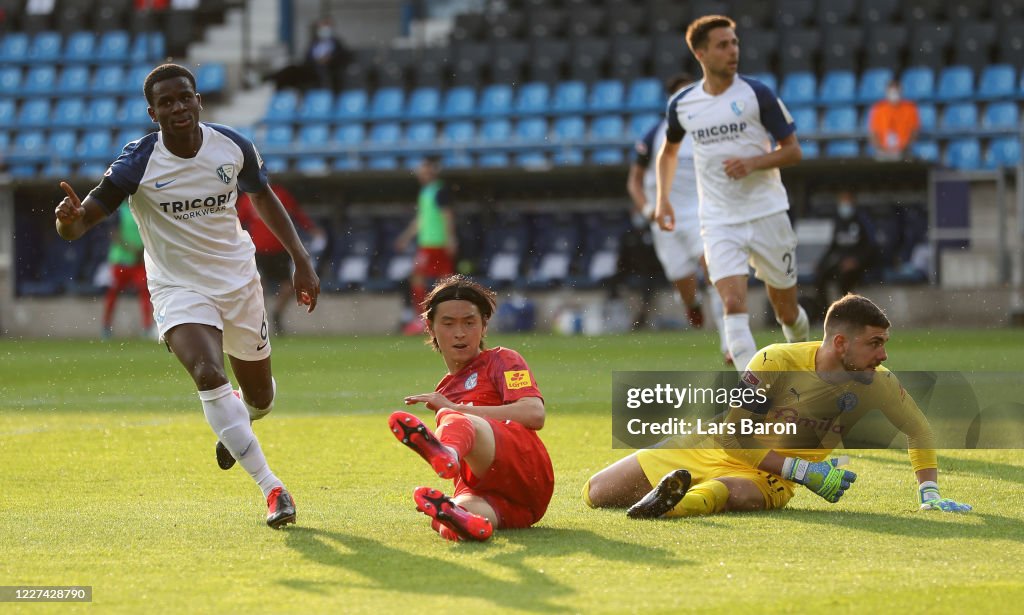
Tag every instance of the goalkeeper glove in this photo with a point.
(931, 500)
(822, 477)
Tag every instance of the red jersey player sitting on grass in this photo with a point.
(488, 410)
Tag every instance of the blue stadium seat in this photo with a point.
(385, 133)
(96, 146)
(57, 169)
(838, 87)
(382, 162)
(532, 129)
(811, 150)
(421, 133)
(14, 48)
(570, 97)
(493, 160)
(5, 140)
(28, 143)
(964, 154)
(1003, 152)
(640, 124)
(101, 112)
(45, 48)
(350, 135)
(69, 112)
(873, 82)
(316, 106)
(75, 80)
(839, 120)
(276, 164)
(955, 83)
(568, 157)
(997, 82)
(531, 99)
(424, 102)
(768, 79)
(608, 128)
(278, 136)
(458, 160)
(114, 46)
(148, 47)
(928, 117)
(460, 132)
(108, 79)
(557, 241)
(135, 76)
(498, 130)
(1001, 116)
(607, 156)
(570, 128)
(806, 120)
(314, 136)
(10, 80)
(842, 148)
(346, 163)
(645, 94)
(133, 113)
(312, 165)
(496, 99)
(34, 112)
(387, 103)
(351, 106)
(7, 111)
(959, 117)
(531, 159)
(459, 102)
(211, 78)
(282, 107)
(40, 80)
(918, 83)
(62, 144)
(26, 170)
(127, 135)
(79, 47)
(606, 96)
(799, 88)
(926, 150)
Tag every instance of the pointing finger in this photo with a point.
(75, 201)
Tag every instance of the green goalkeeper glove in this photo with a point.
(931, 500)
(822, 477)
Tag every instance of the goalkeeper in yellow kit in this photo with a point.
(823, 389)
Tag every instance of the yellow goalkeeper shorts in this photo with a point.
(709, 464)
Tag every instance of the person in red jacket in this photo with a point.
(272, 260)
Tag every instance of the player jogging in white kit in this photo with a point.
(732, 120)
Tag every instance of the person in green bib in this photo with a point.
(434, 230)
(128, 271)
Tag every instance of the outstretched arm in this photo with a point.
(75, 218)
(274, 215)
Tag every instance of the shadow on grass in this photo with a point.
(993, 469)
(396, 570)
(927, 524)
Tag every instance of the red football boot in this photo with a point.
(280, 508)
(439, 507)
(414, 434)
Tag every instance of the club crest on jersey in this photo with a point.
(519, 379)
(738, 106)
(847, 401)
(226, 172)
(470, 383)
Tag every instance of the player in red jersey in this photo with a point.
(488, 410)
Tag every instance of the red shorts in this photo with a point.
(433, 263)
(129, 275)
(519, 483)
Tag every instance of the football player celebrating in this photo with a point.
(488, 411)
(181, 183)
(826, 388)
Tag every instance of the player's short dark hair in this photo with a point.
(163, 73)
(675, 83)
(697, 32)
(459, 288)
(854, 312)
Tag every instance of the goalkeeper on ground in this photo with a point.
(824, 389)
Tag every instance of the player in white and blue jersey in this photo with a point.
(680, 250)
(181, 184)
(733, 120)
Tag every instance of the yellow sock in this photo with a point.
(703, 499)
(586, 494)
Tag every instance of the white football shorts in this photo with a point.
(240, 315)
(679, 250)
(768, 244)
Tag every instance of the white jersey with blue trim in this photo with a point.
(738, 123)
(684, 187)
(185, 208)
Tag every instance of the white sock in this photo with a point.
(229, 419)
(740, 339)
(799, 330)
(717, 314)
(255, 413)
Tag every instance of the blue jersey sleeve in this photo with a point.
(674, 132)
(643, 150)
(127, 170)
(774, 116)
(253, 176)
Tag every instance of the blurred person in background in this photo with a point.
(127, 270)
(893, 124)
(850, 254)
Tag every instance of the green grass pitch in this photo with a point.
(108, 479)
